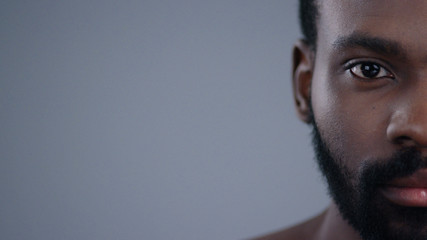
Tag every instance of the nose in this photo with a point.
(408, 122)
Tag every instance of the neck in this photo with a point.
(334, 227)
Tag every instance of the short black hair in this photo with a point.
(308, 12)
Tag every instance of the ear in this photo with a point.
(303, 67)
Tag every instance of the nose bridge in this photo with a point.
(415, 104)
(408, 122)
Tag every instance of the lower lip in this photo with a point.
(405, 196)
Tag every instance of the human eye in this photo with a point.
(369, 71)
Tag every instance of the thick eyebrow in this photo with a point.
(379, 45)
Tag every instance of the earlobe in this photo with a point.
(303, 67)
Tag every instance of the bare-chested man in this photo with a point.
(360, 81)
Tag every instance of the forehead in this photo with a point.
(404, 21)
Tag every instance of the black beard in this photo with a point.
(361, 204)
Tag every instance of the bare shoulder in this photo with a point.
(303, 231)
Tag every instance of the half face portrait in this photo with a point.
(360, 81)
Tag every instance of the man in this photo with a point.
(360, 80)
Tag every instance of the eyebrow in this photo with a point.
(379, 45)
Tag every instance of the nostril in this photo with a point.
(402, 140)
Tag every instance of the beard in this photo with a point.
(358, 197)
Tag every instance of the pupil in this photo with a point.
(370, 70)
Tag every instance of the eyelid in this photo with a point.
(354, 62)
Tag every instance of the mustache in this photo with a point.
(403, 163)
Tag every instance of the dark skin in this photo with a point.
(367, 82)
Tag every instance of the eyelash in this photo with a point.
(356, 70)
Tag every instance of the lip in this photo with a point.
(408, 191)
(408, 197)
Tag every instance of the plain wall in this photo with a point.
(151, 120)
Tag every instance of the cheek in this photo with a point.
(352, 126)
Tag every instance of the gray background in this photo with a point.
(151, 120)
